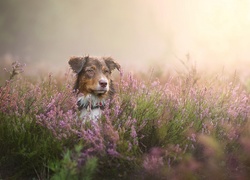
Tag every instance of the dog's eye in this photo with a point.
(106, 71)
(90, 72)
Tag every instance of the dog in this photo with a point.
(93, 83)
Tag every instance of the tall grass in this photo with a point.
(190, 126)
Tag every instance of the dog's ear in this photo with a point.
(112, 64)
(77, 63)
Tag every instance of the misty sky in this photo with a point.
(138, 33)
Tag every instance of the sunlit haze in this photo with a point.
(140, 34)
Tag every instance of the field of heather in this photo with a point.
(180, 126)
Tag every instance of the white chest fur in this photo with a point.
(92, 114)
(91, 107)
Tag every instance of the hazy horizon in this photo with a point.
(138, 34)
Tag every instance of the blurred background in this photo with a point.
(140, 34)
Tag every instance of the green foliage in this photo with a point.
(67, 168)
(26, 148)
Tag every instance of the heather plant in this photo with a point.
(33, 116)
(190, 126)
(171, 118)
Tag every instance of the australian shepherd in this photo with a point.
(93, 84)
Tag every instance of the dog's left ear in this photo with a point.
(77, 63)
(112, 64)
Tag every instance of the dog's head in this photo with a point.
(93, 74)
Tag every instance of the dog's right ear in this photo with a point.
(77, 63)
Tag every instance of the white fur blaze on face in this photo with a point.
(102, 85)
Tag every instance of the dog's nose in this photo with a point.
(103, 83)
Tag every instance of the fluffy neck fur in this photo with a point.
(91, 107)
(90, 102)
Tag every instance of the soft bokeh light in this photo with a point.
(213, 32)
(140, 34)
